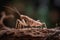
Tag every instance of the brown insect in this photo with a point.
(25, 20)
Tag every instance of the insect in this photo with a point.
(25, 20)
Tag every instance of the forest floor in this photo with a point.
(29, 34)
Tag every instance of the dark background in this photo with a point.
(47, 11)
